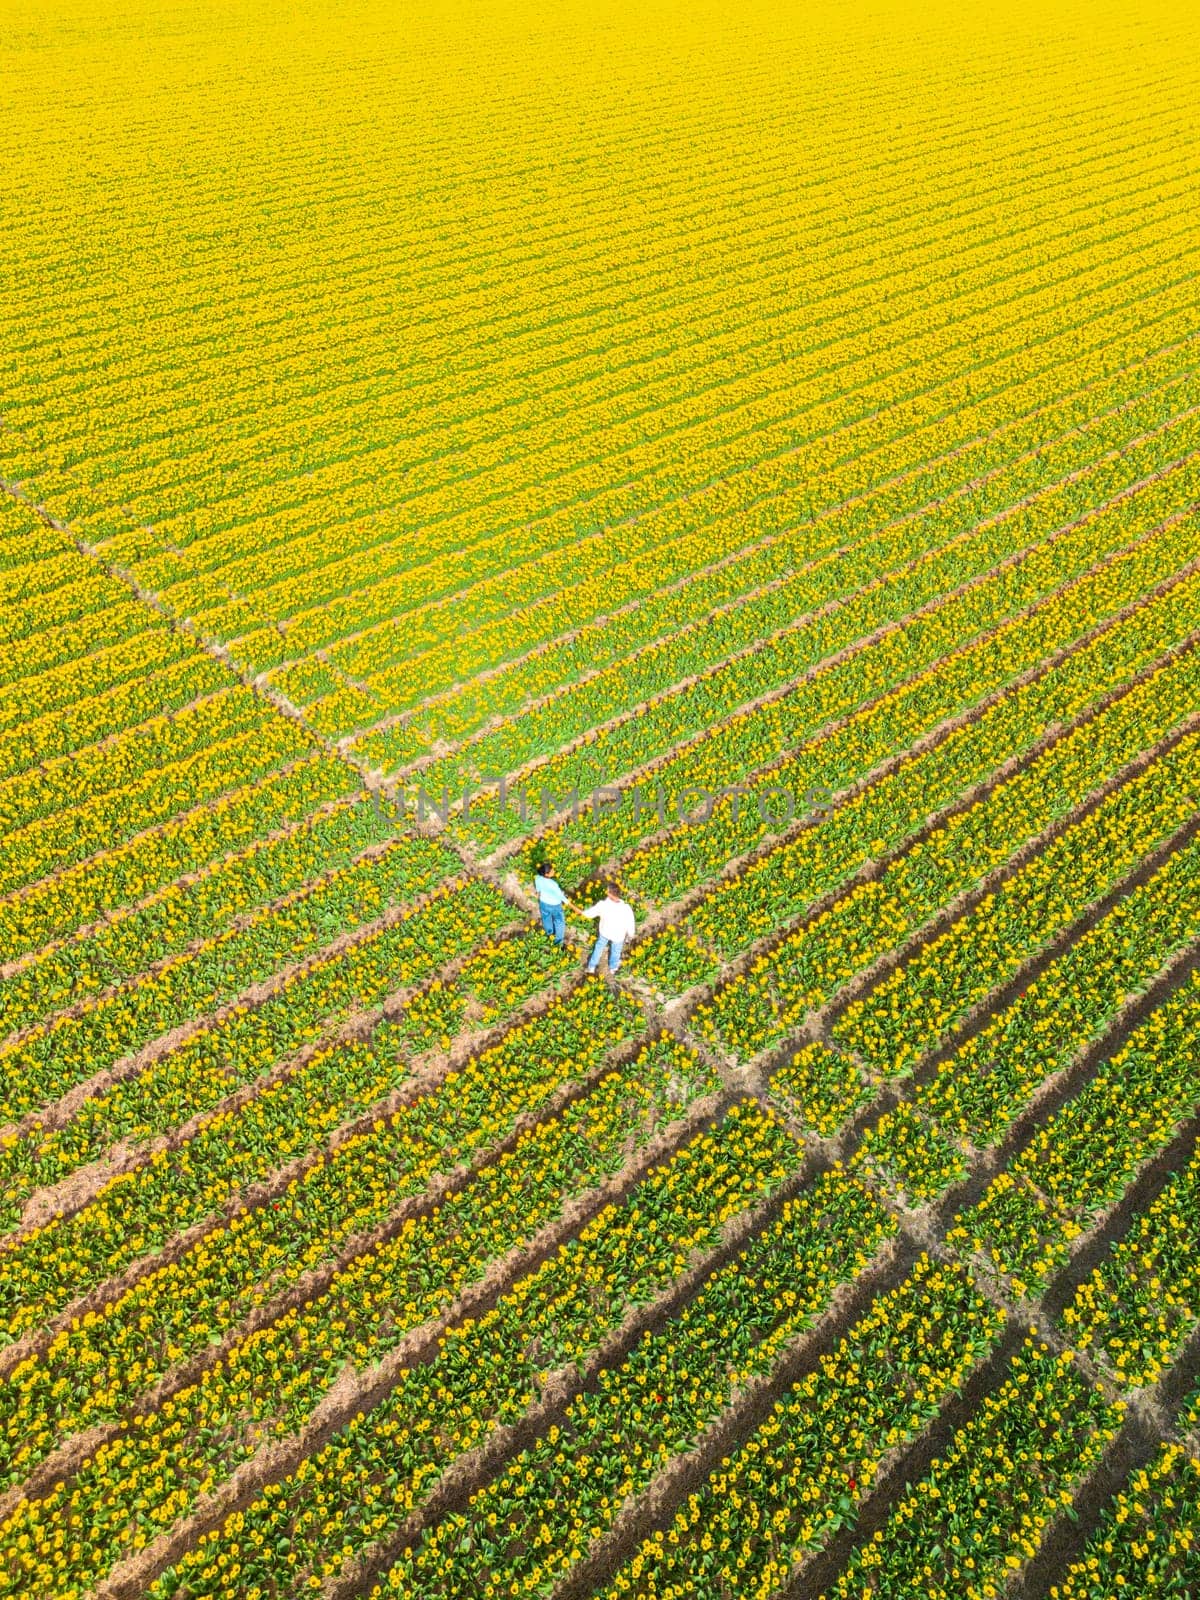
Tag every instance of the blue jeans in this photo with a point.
(614, 953)
(553, 921)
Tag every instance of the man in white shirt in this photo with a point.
(617, 927)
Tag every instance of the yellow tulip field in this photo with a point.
(749, 456)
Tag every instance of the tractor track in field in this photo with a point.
(290, 711)
(918, 1229)
(330, 805)
(501, 1031)
(472, 1470)
(673, 912)
(656, 1505)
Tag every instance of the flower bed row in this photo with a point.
(68, 1049)
(1085, 1155)
(56, 1260)
(839, 688)
(169, 673)
(1148, 1540)
(651, 298)
(124, 761)
(67, 647)
(790, 877)
(129, 873)
(979, 1091)
(803, 1473)
(981, 1088)
(266, 1385)
(927, 995)
(168, 921)
(882, 578)
(1006, 459)
(1144, 1298)
(97, 823)
(546, 505)
(985, 627)
(981, 1510)
(527, 1529)
(497, 285)
(91, 1369)
(397, 951)
(358, 1490)
(72, 688)
(760, 1007)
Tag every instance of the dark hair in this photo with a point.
(543, 869)
(612, 888)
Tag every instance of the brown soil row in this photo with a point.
(1148, 1425)
(424, 1081)
(61, 1111)
(900, 1467)
(655, 1507)
(357, 1392)
(316, 1279)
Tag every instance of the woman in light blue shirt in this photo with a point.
(551, 901)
